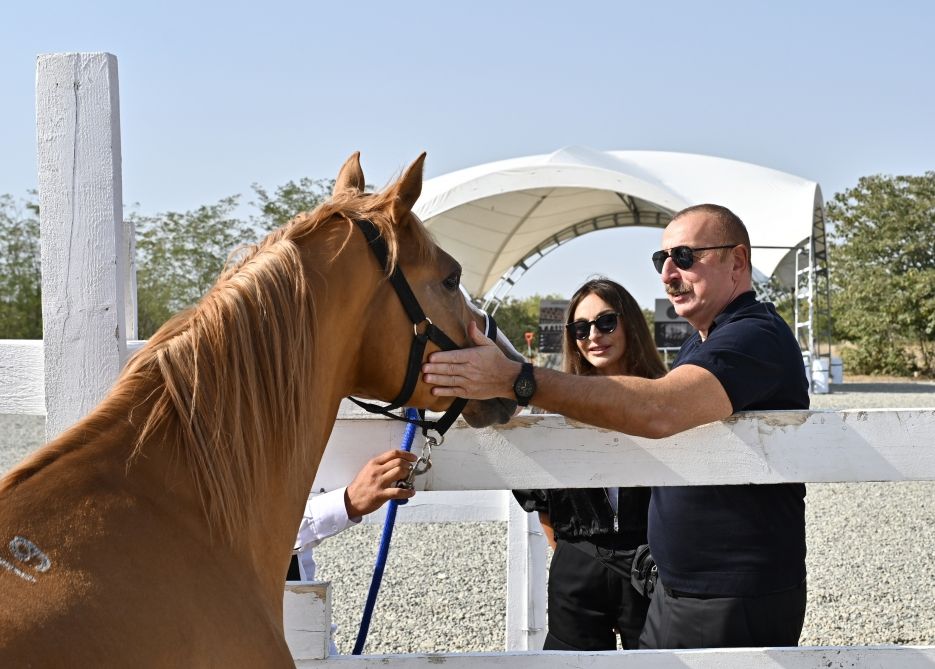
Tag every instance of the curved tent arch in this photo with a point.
(499, 218)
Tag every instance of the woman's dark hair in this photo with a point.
(640, 357)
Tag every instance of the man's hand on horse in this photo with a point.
(375, 483)
(477, 373)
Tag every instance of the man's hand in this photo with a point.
(477, 373)
(374, 484)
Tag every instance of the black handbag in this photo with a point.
(643, 573)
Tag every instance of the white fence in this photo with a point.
(89, 309)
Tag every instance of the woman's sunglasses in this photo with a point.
(683, 256)
(605, 323)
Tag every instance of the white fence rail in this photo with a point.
(89, 312)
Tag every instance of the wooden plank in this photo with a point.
(84, 254)
(127, 277)
(865, 657)
(547, 450)
(445, 506)
(22, 373)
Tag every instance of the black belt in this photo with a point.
(676, 594)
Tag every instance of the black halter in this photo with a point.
(423, 331)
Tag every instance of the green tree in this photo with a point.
(288, 200)
(180, 255)
(20, 280)
(883, 273)
(650, 317)
(782, 298)
(516, 317)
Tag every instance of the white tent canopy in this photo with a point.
(502, 216)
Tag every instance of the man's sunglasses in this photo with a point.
(605, 323)
(683, 256)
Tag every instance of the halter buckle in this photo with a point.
(424, 334)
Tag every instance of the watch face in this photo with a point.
(525, 385)
(524, 388)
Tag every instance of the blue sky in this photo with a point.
(217, 96)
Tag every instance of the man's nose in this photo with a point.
(669, 271)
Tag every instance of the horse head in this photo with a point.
(434, 277)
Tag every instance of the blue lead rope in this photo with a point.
(384, 550)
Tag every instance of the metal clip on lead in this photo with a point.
(420, 466)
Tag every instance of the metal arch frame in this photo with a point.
(634, 217)
(812, 304)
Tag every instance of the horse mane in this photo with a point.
(228, 381)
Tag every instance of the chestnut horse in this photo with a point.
(157, 530)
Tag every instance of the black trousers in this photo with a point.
(589, 596)
(292, 574)
(679, 620)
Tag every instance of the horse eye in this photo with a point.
(452, 281)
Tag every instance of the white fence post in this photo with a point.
(83, 246)
(306, 613)
(525, 580)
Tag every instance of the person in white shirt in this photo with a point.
(328, 513)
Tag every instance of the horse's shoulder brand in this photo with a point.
(27, 554)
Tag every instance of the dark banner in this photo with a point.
(551, 325)
(670, 329)
(672, 335)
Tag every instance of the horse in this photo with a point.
(157, 530)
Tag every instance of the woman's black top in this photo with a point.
(586, 514)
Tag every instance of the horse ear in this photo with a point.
(350, 176)
(408, 189)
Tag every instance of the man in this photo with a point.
(731, 559)
(332, 512)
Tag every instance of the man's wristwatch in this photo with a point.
(525, 385)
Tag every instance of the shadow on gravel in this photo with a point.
(915, 388)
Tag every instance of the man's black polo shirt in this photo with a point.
(737, 540)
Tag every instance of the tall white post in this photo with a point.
(83, 246)
(526, 580)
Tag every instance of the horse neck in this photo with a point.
(121, 446)
(341, 293)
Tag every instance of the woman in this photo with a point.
(595, 531)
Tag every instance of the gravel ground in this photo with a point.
(871, 546)
(19, 435)
(444, 587)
